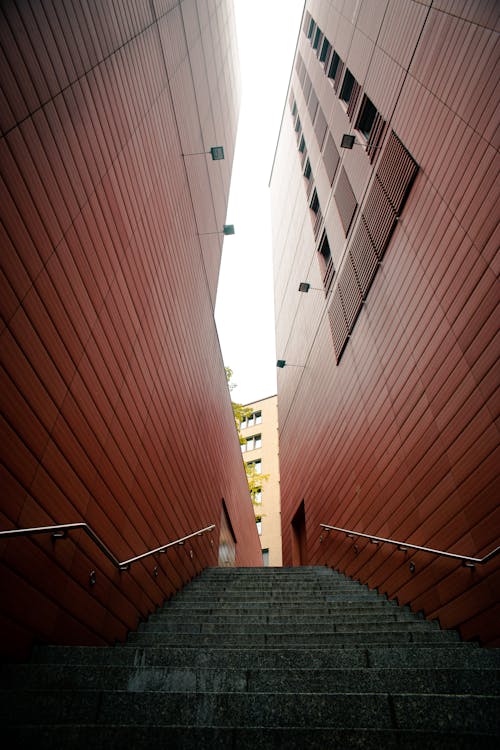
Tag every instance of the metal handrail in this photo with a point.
(469, 562)
(60, 532)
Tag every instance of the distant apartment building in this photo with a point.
(260, 449)
(117, 131)
(385, 205)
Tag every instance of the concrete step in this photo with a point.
(348, 607)
(298, 627)
(305, 641)
(147, 736)
(217, 679)
(443, 713)
(233, 617)
(453, 655)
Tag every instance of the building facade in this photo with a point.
(114, 198)
(385, 200)
(260, 448)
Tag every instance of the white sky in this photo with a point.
(267, 34)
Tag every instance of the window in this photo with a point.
(252, 419)
(257, 465)
(251, 443)
(265, 557)
(307, 170)
(347, 86)
(302, 145)
(257, 496)
(294, 109)
(314, 204)
(297, 124)
(325, 49)
(332, 71)
(366, 118)
(317, 38)
(324, 249)
(258, 521)
(310, 30)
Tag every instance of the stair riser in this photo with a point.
(299, 628)
(172, 679)
(445, 713)
(228, 640)
(275, 621)
(186, 738)
(455, 656)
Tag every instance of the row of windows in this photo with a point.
(251, 420)
(324, 253)
(251, 443)
(368, 122)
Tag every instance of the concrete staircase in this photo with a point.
(247, 658)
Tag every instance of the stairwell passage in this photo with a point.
(247, 658)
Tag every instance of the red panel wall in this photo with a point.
(115, 408)
(400, 439)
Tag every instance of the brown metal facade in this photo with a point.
(112, 376)
(388, 425)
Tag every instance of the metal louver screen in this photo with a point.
(379, 217)
(345, 200)
(350, 293)
(364, 257)
(396, 172)
(385, 200)
(338, 324)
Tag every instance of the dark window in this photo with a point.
(294, 109)
(302, 145)
(333, 65)
(310, 30)
(314, 204)
(297, 124)
(324, 249)
(366, 118)
(317, 38)
(325, 49)
(347, 86)
(307, 170)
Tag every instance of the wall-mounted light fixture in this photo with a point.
(348, 141)
(227, 229)
(216, 152)
(304, 286)
(283, 363)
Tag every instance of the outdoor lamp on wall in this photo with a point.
(282, 363)
(348, 141)
(227, 230)
(216, 152)
(304, 286)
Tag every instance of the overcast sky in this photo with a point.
(267, 34)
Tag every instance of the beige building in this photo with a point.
(260, 432)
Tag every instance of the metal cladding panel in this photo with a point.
(345, 200)
(111, 362)
(395, 421)
(331, 158)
